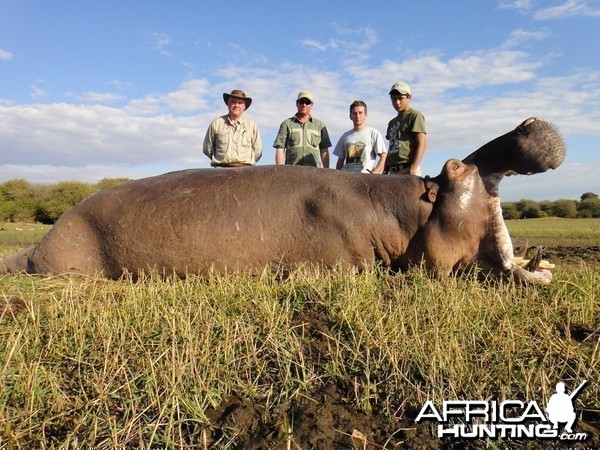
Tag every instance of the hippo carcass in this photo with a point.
(198, 220)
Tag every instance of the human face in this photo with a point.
(304, 106)
(400, 101)
(236, 106)
(358, 116)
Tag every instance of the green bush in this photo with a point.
(564, 208)
(61, 197)
(590, 208)
(17, 201)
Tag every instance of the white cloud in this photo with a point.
(120, 84)
(79, 135)
(190, 97)
(468, 99)
(5, 56)
(316, 45)
(352, 41)
(159, 42)
(571, 8)
(37, 92)
(516, 4)
(100, 97)
(522, 37)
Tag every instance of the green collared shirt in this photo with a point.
(303, 142)
(227, 143)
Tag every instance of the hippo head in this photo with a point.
(466, 227)
(532, 147)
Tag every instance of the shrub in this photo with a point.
(590, 207)
(61, 197)
(564, 208)
(17, 202)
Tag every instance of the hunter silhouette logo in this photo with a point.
(514, 419)
(560, 406)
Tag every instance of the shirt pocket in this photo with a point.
(314, 138)
(223, 140)
(295, 138)
(246, 141)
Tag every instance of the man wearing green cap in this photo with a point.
(406, 133)
(303, 139)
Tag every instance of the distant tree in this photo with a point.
(564, 208)
(509, 211)
(106, 183)
(17, 203)
(589, 208)
(59, 198)
(16, 189)
(530, 209)
(588, 195)
(547, 207)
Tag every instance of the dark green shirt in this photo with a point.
(401, 132)
(303, 141)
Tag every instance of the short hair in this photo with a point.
(356, 103)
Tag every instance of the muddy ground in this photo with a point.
(326, 419)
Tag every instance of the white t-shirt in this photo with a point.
(360, 149)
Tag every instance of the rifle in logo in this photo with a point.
(560, 406)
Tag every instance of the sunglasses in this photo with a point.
(304, 101)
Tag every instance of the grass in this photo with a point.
(92, 362)
(16, 236)
(553, 231)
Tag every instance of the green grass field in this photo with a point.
(16, 236)
(258, 362)
(553, 231)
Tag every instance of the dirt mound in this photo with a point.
(573, 255)
(326, 418)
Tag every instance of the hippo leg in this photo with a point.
(18, 262)
(71, 245)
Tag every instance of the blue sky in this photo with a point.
(91, 89)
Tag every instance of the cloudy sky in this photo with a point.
(95, 89)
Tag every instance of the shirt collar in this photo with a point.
(295, 118)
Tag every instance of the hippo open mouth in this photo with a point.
(201, 220)
(534, 146)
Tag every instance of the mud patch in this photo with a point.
(562, 255)
(327, 418)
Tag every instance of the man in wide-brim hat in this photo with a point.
(236, 93)
(233, 140)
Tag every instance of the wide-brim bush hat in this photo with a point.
(236, 93)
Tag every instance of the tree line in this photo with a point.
(587, 207)
(22, 201)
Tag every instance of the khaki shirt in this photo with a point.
(303, 142)
(227, 143)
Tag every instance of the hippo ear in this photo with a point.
(431, 190)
